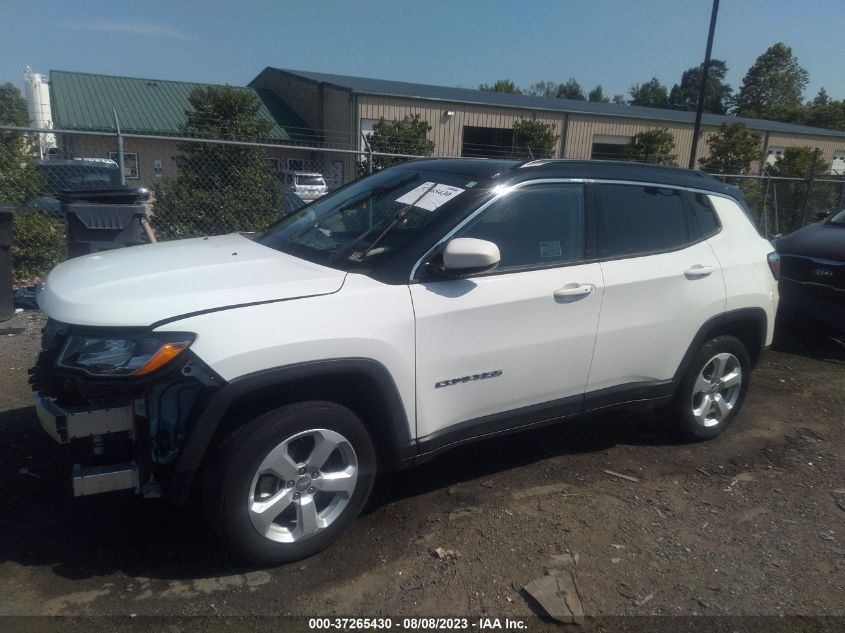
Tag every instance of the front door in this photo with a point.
(516, 339)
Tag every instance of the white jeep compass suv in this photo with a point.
(425, 306)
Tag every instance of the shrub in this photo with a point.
(38, 244)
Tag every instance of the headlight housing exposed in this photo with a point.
(122, 355)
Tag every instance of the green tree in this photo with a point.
(570, 90)
(534, 138)
(732, 150)
(502, 85)
(823, 111)
(408, 136)
(797, 162)
(39, 240)
(717, 99)
(652, 146)
(652, 94)
(543, 89)
(773, 86)
(219, 188)
(597, 95)
(618, 99)
(19, 180)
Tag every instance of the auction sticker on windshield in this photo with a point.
(438, 196)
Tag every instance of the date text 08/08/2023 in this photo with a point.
(416, 624)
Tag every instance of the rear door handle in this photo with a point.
(574, 290)
(698, 271)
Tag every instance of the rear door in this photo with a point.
(662, 282)
(519, 336)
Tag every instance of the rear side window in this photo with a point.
(704, 214)
(636, 220)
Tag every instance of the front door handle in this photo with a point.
(698, 271)
(574, 290)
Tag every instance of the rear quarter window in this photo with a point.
(637, 220)
(706, 220)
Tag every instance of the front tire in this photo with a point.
(712, 389)
(285, 486)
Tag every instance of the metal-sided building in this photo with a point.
(466, 122)
(332, 111)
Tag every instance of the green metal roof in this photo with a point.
(82, 101)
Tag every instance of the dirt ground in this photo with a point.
(750, 524)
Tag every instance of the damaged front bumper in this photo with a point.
(97, 425)
(121, 434)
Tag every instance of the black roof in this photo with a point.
(515, 171)
(389, 88)
(478, 167)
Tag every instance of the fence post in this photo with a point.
(764, 184)
(7, 301)
(119, 149)
(810, 180)
(369, 153)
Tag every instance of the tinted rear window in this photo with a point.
(638, 220)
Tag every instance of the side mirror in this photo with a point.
(822, 215)
(467, 255)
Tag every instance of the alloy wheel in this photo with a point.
(716, 390)
(303, 485)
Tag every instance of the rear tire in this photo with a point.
(712, 389)
(286, 485)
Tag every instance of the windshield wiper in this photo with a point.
(400, 215)
(356, 201)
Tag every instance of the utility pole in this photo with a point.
(119, 149)
(705, 72)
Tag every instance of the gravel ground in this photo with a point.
(751, 524)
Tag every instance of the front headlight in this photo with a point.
(131, 355)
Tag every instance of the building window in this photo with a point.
(296, 164)
(773, 154)
(130, 164)
(487, 142)
(607, 147)
(274, 164)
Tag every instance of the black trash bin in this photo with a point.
(103, 219)
(7, 303)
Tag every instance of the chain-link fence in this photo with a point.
(189, 187)
(781, 204)
(192, 187)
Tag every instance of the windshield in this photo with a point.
(838, 219)
(72, 177)
(369, 218)
(309, 180)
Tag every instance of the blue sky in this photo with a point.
(447, 42)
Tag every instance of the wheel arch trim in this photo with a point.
(211, 411)
(720, 321)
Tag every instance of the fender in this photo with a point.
(719, 322)
(210, 411)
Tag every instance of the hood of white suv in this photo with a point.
(141, 285)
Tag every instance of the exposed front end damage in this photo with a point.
(121, 433)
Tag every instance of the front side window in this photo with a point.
(535, 225)
(637, 220)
